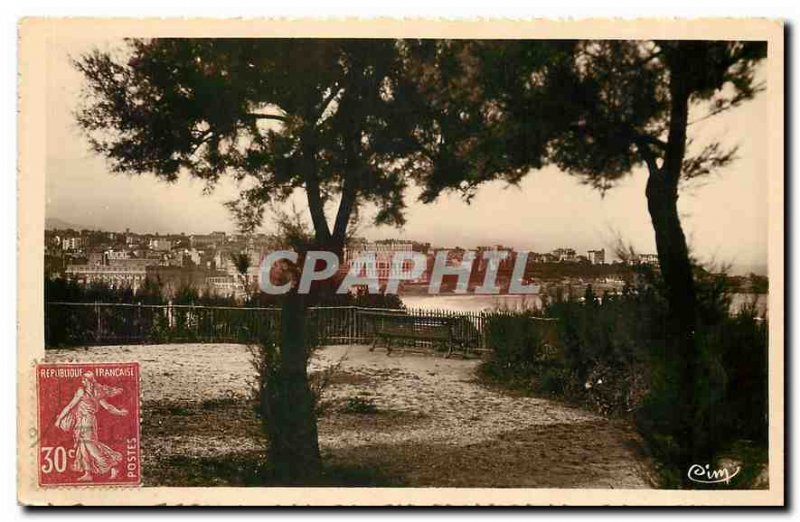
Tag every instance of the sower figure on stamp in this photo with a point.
(80, 416)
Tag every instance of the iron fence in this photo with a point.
(82, 324)
(75, 324)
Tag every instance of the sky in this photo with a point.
(724, 215)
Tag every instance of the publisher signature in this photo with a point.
(706, 475)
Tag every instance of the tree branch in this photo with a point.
(643, 143)
(650, 57)
(335, 89)
(725, 105)
(678, 118)
(629, 133)
(647, 154)
(258, 116)
(316, 206)
(202, 141)
(349, 187)
(649, 140)
(712, 157)
(346, 205)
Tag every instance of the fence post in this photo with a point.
(482, 330)
(170, 316)
(97, 316)
(211, 324)
(356, 323)
(139, 320)
(350, 325)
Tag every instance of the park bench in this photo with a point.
(437, 331)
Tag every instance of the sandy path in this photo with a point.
(435, 424)
(441, 389)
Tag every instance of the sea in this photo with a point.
(481, 303)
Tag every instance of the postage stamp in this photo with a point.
(88, 424)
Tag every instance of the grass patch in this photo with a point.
(218, 403)
(178, 410)
(357, 476)
(360, 405)
(251, 469)
(232, 469)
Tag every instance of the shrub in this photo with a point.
(596, 352)
(360, 405)
(613, 356)
(522, 352)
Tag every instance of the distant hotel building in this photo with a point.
(114, 276)
(384, 252)
(597, 257)
(564, 255)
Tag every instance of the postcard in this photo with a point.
(401, 262)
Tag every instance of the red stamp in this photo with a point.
(88, 424)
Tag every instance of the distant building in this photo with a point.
(212, 240)
(501, 267)
(535, 257)
(225, 286)
(96, 258)
(160, 244)
(113, 276)
(206, 259)
(648, 259)
(72, 243)
(643, 259)
(131, 262)
(173, 279)
(384, 252)
(175, 259)
(564, 255)
(114, 255)
(597, 257)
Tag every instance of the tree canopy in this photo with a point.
(592, 108)
(352, 121)
(280, 114)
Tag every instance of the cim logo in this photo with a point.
(706, 475)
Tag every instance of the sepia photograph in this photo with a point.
(331, 255)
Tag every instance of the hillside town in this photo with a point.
(224, 264)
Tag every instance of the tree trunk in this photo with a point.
(291, 419)
(676, 272)
(682, 420)
(288, 402)
(673, 255)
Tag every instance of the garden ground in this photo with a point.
(401, 420)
